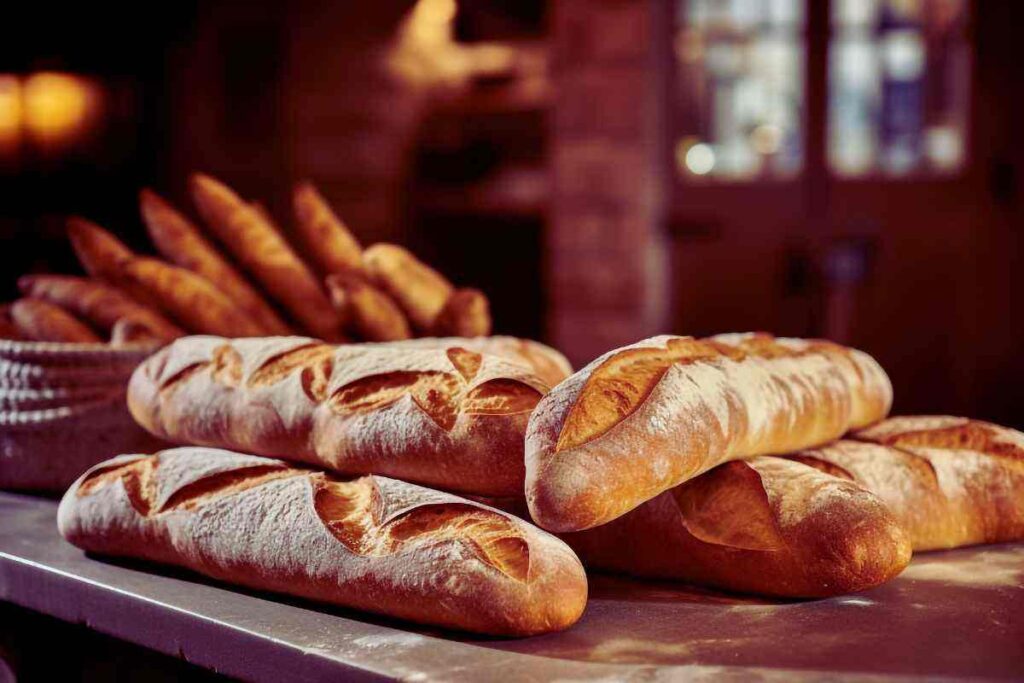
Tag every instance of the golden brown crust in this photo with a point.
(326, 240)
(103, 257)
(545, 362)
(374, 543)
(8, 330)
(949, 481)
(370, 313)
(100, 304)
(129, 332)
(466, 314)
(647, 417)
(419, 289)
(42, 321)
(447, 417)
(181, 243)
(99, 252)
(765, 525)
(189, 299)
(265, 255)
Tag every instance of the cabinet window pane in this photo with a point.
(899, 90)
(738, 99)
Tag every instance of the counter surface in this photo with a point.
(951, 614)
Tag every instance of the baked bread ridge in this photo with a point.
(373, 543)
(646, 417)
(766, 525)
(443, 417)
(950, 481)
(547, 363)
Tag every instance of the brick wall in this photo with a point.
(606, 255)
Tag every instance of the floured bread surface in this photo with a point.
(448, 417)
(766, 525)
(950, 481)
(545, 362)
(642, 419)
(372, 543)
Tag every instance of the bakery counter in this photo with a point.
(950, 615)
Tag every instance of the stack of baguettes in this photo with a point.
(234, 274)
(658, 460)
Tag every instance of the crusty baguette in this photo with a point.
(325, 238)
(371, 313)
(419, 289)
(949, 481)
(99, 252)
(545, 362)
(448, 418)
(130, 332)
(765, 525)
(264, 253)
(188, 298)
(466, 314)
(374, 544)
(42, 321)
(103, 256)
(100, 304)
(8, 330)
(181, 243)
(644, 418)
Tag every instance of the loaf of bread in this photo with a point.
(100, 304)
(644, 418)
(183, 244)
(371, 313)
(373, 543)
(8, 330)
(546, 363)
(42, 321)
(327, 240)
(467, 313)
(192, 300)
(99, 252)
(127, 332)
(949, 481)
(444, 417)
(420, 290)
(263, 252)
(765, 525)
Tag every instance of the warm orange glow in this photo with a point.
(58, 106)
(10, 109)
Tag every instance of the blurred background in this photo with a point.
(603, 169)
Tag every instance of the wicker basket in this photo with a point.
(62, 410)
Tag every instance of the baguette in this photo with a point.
(129, 332)
(419, 289)
(373, 544)
(642, 419)
(263, 252)
(465, 314)
(8, 330)
(447, 418)
(98, 303)
(326, 239)
(100, 253)
(188, 298)
(181, 243)
(545, 362)
(949, 481)
(372, 313)
(42, 321)
(766, 525)
(103, 256)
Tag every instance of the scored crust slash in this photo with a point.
(380, 544)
